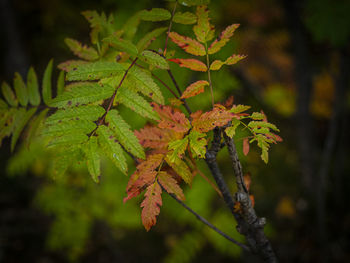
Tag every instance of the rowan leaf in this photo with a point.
(181, 168)
(154, 59)
(245, 146)
(130, 27)
(262, 124)
(34, 125)
(155, 14)
(264, 146)
(146, 85)
(171, 118)
(189, 45)
(198, 143)
(239, 108)
(70, 65)
(149, 37)
(211, 119)
(93, 159)
(203, 30)
(176, 149)
(222, 39)
(20, 120)
(61, 128)
(60, 83)
(111, 147)
(46, 85)
(154, 137)
(20, 89)
(151, 205)
(68, 139)
(217, 64)
(82, 51)
(122, 45)
(194, 89)
(136, 103)
(95, 70)
(87, 112)
(9, 95)
(82, 94)
(170, 185)
(186, 18)
(124, 134)
(190, 63)
(231, 131)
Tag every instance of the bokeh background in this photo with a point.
(297, 72)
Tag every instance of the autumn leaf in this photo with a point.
(171, 118)
(190, 63)
(247, 180)
(154, 137)
(204, 31)
(170, 185)
(217, 64)
(245, 146)
(177, 148)
(222, 39)
(194, 89)
(189, 45)
(211, 119)
(197, 143)
(151, 205)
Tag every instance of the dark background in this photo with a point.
(297, 71)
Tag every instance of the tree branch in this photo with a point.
(206, 222)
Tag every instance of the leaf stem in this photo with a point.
(169, 28)
(209, 76)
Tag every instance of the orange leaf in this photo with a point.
(252, 199)
(194, 89)
(234, 59)
(190, 45)
(190, 63)
(170, 185)
(209, 120)
(154, 137)
(222, 39)
(171, 118)
(245, 146)
(247, 180)
(151, 205)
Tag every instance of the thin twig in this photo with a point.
(206, 222)
(169, 28)
(179, 91)
(209, 76)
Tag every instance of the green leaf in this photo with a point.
(93, 158)
(68, 139)
(46, 85)
(257, 116)
(124, 134)
(112, 148)
(84, 94)
(155, 14)
(136, 103)
(9, 95)
(122, 45)
(20, 120)
(20, 89)
(154, 59)
(3, 105)
(80, 50)
(198, 143)
(231, 131)
(60, 83)
(7, 122)
(239, 108)
(34, 126)
(181, 168)
(263, 144)
(203, 30)
(33, 87)
(96, 70)
(149, 37)
(262, 124)
(146, 84)
(186, 18)
(130, 27)
(70, 127)
(87, 112)
(177, 149)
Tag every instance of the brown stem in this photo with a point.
(169, 28)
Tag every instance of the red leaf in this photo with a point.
(222, 39)
(171, 118)
(190, 45)
(209, 120)
(170, 185)
(154, 137)
(194, 89)
(245, 146)
(151, 205)
(190, 63)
